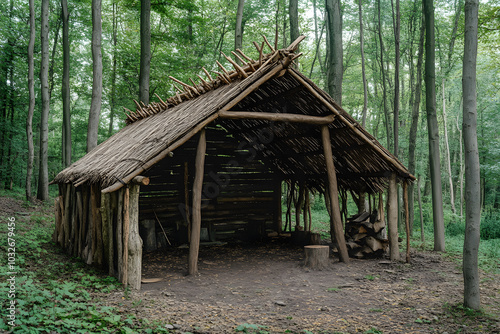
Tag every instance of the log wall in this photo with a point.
(239, 197)
(93, 226)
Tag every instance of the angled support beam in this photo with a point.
(277, 117)
(392, 217)
(194, 243)
(334, 195)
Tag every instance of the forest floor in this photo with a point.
(263, 288)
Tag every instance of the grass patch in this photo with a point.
(53, 292)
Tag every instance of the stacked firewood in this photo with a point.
(366, 236)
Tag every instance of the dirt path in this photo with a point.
(266, 285)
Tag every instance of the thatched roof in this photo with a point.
(264, 86)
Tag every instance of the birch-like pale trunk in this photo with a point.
(43, 176)
(238, 31)
(447, 146)
(363, 71)
(145, 51)
(31, 106)
(65, 90)
(432, 127)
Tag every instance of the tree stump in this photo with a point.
(317, 256)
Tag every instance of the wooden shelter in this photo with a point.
(209, 162)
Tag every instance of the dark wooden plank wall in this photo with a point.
(239, 197)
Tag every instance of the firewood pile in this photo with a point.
(366, 236)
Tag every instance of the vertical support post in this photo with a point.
(277, 195)
(334, 195)
(407, 220)
(392, 217)
(126, 225)
(186, 198)
(194, 244)
(134, 261)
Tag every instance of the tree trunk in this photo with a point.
(412, 142)
(335, 52)
(472, 175)
(384, 83)
(293, 13)
(392, 218)
(31, 107)
(95, 105)
(433, 128)
(194, 245)
(43, 178)
(66, 129)
(113, 71)
(363, 72)
(447, 146)
(238, 32)
(396, 78)
(145, 51)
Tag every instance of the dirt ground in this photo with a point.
(265, 284)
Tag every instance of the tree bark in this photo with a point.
(43, 176)
(396, 79)
(145, 51)
(31, 107)
(95, 105)
(415, 105)
(238, 32)
(293, 13)
(447, 146)
(472, 167)
(335, 51)
(433, 128)
(66, 129)
(384, 82)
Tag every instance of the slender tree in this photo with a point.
(145, 51)
(95, 106)
(238, 33)
(384, 75)
(472, 174)
(293, 14)
(113, 70)
(31, 106)
(397, 34)
(335, 51)
(432, 125)
(363, 72)
(43, 176)
(66, 129)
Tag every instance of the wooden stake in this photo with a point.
(119, 233)
(268, 44)
(334, 194)
(194, 244)
(392, 218)
(422, 235)
(245, 56)
(207, 74)
(186, 198)
(126, 225)
(407, 220)
(134, 261)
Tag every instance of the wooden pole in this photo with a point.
(126, 225)
(422, 235)
(392, 218)
(334, 195)
(186, 198)
(134, 261)
(119, 233)
(194, 245)
(278, 117)
(407, 220)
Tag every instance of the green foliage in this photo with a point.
(490, 226)
(54, 295)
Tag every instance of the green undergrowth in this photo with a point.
(53, 293)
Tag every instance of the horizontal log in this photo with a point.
(278, 117)
(141, 180)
